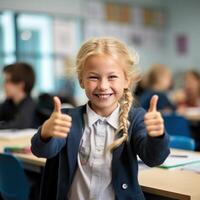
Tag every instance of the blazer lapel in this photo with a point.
(74, 137)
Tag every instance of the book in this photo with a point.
(174, 160)
(15, 149)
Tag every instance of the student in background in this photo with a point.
(187, 101)
(18, 110)
(92, 149)
(158, 81)
(189, 96)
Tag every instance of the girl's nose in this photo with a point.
(103, 84)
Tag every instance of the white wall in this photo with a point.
(183, 16)
(69, 7)
(184, 19)
(74, 7)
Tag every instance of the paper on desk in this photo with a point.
(180, 161)
(195, 167)
(9, 134)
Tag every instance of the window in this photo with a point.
(35, 45)
(44, 41)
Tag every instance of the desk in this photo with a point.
(28, 159)
(171, 183)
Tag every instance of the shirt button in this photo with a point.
(124, 186)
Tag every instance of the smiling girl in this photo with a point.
(92, 150)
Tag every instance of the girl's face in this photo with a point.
(104, 82)
(166, 81)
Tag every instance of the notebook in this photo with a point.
(195, 167)
(180, 160)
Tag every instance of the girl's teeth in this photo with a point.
(103, 96)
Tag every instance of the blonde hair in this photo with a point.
(155, 75)
(116, 49)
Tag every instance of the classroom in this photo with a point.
(99, 99)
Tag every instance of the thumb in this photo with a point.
(57, 104)
(153, 103)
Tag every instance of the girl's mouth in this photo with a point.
(103, 96)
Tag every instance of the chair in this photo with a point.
(13, 182)
(182, 142)
(177, 125)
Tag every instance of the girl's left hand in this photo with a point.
(153, 119)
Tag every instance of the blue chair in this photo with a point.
(182, 142)
(177, 125)
(13, 182)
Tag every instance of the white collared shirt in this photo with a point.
(93, 176)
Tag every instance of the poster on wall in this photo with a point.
(154, 18)
(181, 44)
(118, 13)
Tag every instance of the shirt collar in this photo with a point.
(112, 119)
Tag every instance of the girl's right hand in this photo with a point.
(58, 125)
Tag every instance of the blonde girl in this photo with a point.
(91, 150)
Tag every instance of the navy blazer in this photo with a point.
(62, 154)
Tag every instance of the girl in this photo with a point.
(189, 96)
(158, 81)
(91, 150)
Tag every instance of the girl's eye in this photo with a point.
(92, 77)
(112, 77)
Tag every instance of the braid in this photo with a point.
(126, 104)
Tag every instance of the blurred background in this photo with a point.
(48, 33)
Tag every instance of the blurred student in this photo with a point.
(189, 96)
(187, 100)
(158, 81)
(91, 150)
(18, 109)
(141, 87)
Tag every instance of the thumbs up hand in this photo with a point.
(58, 125)
(153, 119)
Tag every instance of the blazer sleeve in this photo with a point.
(47, 149)
(152, 150)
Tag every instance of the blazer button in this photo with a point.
(124, 186)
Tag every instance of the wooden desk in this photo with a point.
(29, 159)
(171, 183)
